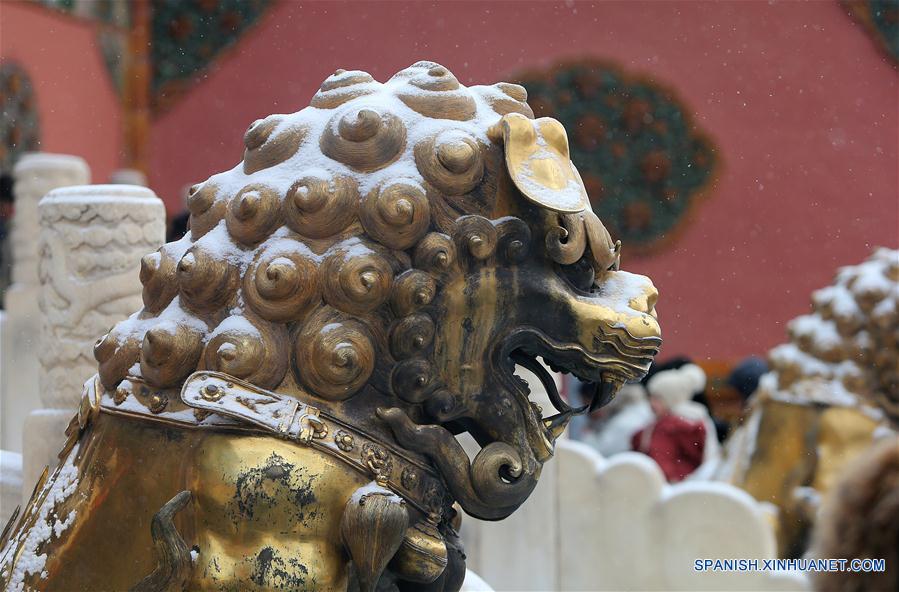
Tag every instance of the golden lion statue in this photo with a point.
(833, 390)
(282, 412)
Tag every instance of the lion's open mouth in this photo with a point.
(555, 424)
(605, 372)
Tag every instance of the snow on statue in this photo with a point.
(282, 412)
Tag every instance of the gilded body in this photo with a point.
(282, 412)
(264, 513)
(799, 453)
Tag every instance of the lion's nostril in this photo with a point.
(646, 301)
(651, 298)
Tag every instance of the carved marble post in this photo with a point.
(35, 174)
(91, 242)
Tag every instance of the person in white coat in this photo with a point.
(677, 387)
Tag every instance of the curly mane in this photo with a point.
(310, 261)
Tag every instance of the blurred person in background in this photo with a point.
(700, 397)
(6, 213)
(682, 438)
(744, 378)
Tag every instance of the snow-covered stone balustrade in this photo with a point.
(91, 242)
(35, 175)
(614, 524)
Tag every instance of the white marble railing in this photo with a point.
(35, 175)
(615, 524)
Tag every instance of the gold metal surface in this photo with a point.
(802, 446)
(539, 163)
(422, 557)
(306, 360)
(264, 514)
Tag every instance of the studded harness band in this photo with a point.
(214, 399)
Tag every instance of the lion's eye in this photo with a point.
(579, 274)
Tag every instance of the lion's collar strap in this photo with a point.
(285, 416)
(289, 418)
(213, 400)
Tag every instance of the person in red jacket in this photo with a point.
(676, 444)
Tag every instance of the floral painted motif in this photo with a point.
(189, 34)
(881, 20)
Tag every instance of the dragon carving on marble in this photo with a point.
(282, 413)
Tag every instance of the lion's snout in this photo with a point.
(645, 302)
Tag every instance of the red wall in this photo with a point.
(78, 107)
(801, 104)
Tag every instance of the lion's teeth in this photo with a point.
(557, 423)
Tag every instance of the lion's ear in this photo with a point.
(538, 161)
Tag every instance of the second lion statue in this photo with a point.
(283, 411)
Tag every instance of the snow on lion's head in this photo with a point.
(390, 253)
